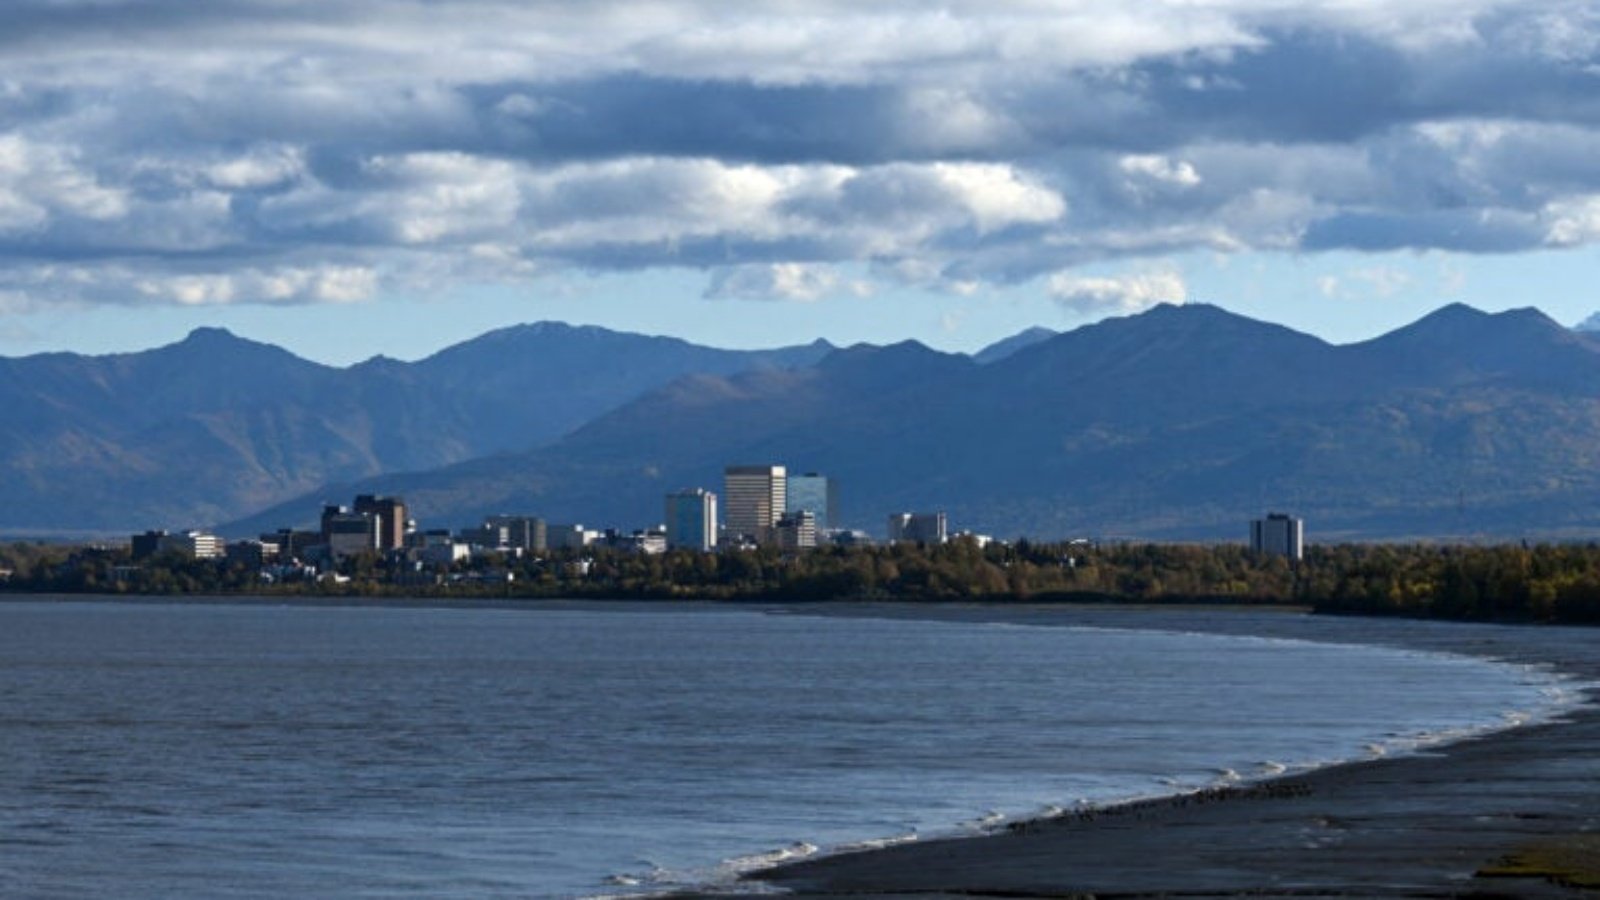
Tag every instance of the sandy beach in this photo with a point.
(1512, 814)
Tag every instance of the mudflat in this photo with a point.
(1512, 814)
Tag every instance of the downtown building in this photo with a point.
(754, 498)
(346, 532)
(816, 494)
(797, 530)
(918, 528)
(691, 517)
(389, 519)
(1278, 535)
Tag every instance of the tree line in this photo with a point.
(1546, 582)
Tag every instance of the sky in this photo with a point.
(353, 177)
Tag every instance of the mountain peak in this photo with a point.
(1457, 322)
(1457, 343)
(211, 341)
(891, 363)
(210, 334)
(1006, 346)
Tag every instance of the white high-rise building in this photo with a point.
(692, 520)
(753, 499)
(1278, 535)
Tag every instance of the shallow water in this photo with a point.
(152, 750)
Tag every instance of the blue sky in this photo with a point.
(350, 177)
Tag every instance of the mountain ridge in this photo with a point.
(1179, 423)
(213, 425)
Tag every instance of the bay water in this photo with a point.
(249, 750)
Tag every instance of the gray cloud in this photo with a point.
(297, 151)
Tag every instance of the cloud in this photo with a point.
(263, 167)
(1153, 167)
(794, 281)
(196, 149)
(1366, 282)
(132, 284)
(1573, 221)
(1091, 296)
(41, 182)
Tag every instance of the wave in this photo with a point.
(989, 821)
(770, 858)
(877, 843)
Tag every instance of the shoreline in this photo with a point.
(1513, 812)
(1433, 822)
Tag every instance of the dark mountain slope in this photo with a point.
(215, 426)
(1007, 346)
(1178, 423)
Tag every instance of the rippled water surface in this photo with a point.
(154, 750)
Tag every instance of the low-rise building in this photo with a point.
(486, 536)
(194, 544)
(570, 537)
(651, 541)
(521, 532)
(251, 553)
(146, 545)
(443, 554)
(797, 530)
(918, 528)
(292, 543)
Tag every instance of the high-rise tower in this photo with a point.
(817, 494)
(753, 500)
(692, 520)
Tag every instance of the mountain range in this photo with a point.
(1181, 422)
(1178, 423)
(215, 426)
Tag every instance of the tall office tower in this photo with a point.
(391, 515)
(692, 520)
(918, 528)
(815, 494)
(753, 498)
(1278, 535)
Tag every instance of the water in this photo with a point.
(255, 751)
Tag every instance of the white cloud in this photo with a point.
(1129, 293)
(997, 196)
(1573, 221)
(1365, 283)
(328, 284)
(1157, 168)
(40, 183)
(802, 282)
(266, 167)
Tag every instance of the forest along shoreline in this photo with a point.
(1511, 582)
(1512, 813)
